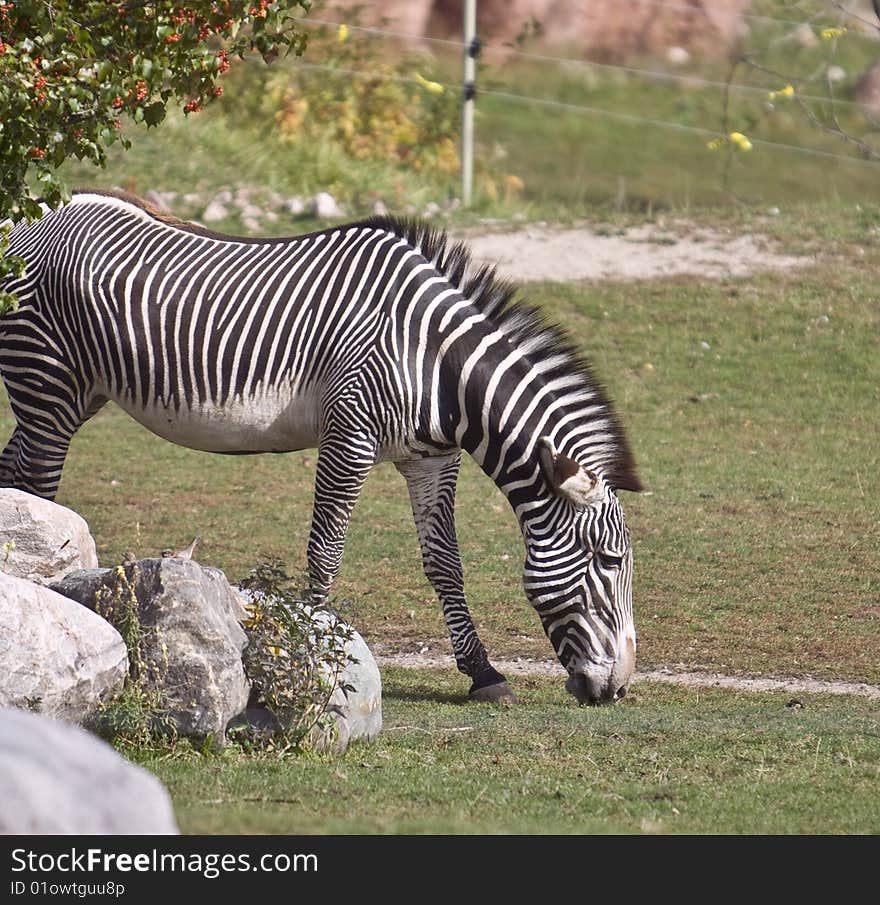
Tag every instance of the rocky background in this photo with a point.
(608, 29)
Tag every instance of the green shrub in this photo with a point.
(295, 656)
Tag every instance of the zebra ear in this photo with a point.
(568, 478)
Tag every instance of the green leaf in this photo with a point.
(154, 114)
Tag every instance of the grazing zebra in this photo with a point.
(374, 341)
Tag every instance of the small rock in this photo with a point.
(361, 707)
(380, 209)
(835, 73)
(294, 206)
(57, 779)
(804, 35)
(678, 56)
(431, 210)
(251, 211)
(157, 201)
(251, 225)
(214, 211)
(324, 206)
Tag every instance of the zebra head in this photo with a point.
(578, 576)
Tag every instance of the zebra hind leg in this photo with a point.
(431, 483)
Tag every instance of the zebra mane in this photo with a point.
(525, 325)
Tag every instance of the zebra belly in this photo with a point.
(266, 423)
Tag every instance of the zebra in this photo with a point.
(373, 341)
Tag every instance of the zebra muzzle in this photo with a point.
(593, 690)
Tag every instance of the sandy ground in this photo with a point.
(513, 668)
(639, 253)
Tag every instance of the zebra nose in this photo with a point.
(591, 690)
(620, 693)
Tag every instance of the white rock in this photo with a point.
(157, 200)
(55, 655)
(294, 206)
(60, 780)
(214, 211)
(324, 206)
(804, 35)
(379, 208)
(363, 705)
(678, 56)
(835, 73)
(251, 211)
(40, 540)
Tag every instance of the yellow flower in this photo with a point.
(787, 91)
(829, 34)
(342, 33)
(716, 143)
(740, 141)
(433, 87)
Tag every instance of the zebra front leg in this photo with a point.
(33, 461)
(431, 483)
(8, 458)
(343, 465)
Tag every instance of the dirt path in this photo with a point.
(694, 679)
(639, 253)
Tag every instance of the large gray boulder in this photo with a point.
(192, 638)
(55, 656)
(58, 779)
(40, 540)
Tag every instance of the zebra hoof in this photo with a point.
(498, 693)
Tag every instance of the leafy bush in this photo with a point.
(70, 72)
(371, 104)
(295, 656)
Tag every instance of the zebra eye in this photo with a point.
(609, 561)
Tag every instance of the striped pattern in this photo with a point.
(372, 341)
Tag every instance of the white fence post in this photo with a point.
(471, 49)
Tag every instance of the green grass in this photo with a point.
(665, 760)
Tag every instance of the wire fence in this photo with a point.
(693, 81)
